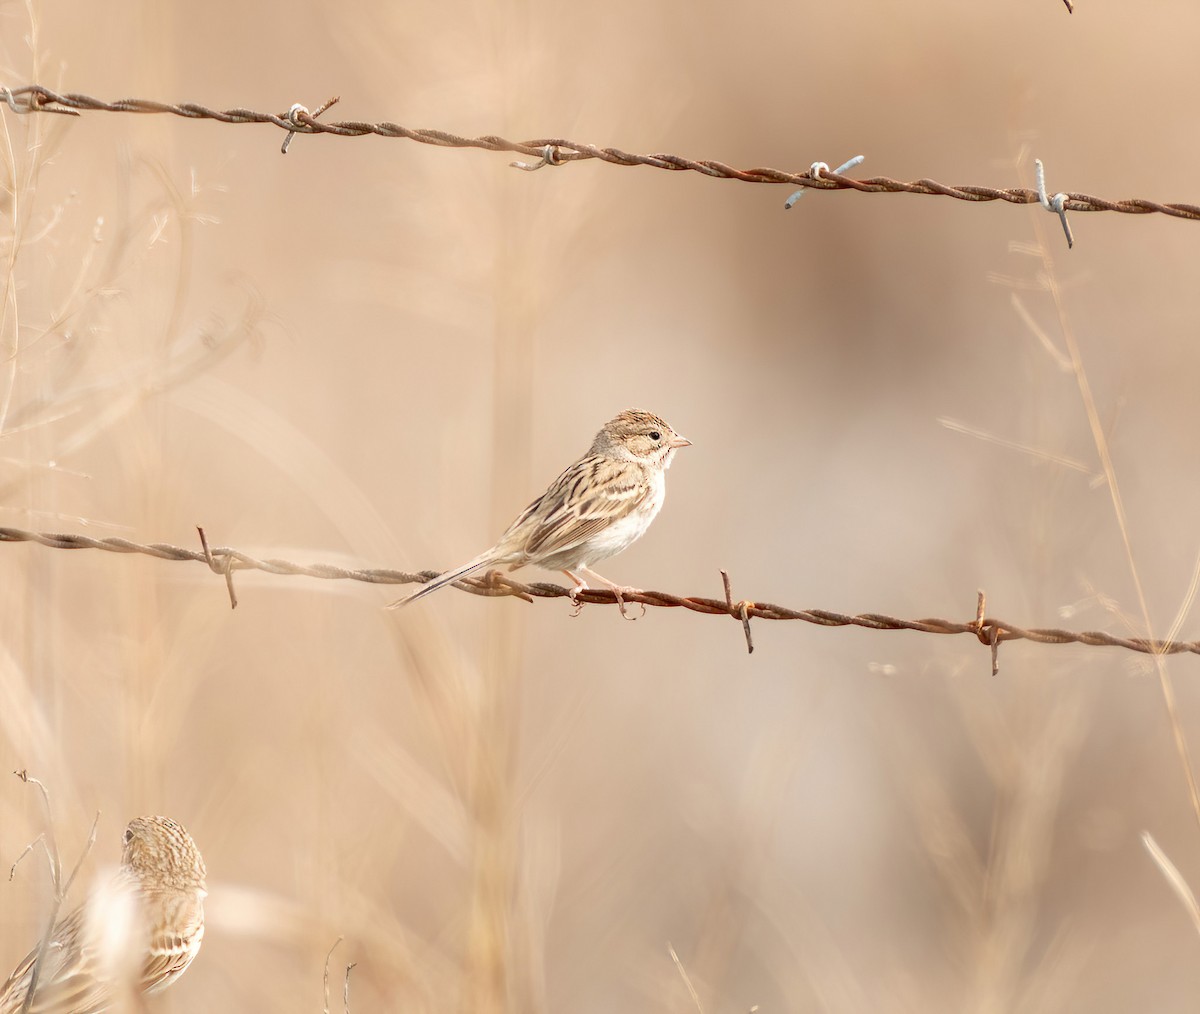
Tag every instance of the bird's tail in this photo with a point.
(429, 587)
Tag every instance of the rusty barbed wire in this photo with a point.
(989, 631)
(555, 151)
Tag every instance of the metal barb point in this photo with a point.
(1056, 204)
(987, 631)
(499, 584)
(225, 568)
(741, 611)
(297, 116)
(34, 102)
(550, 156)
(817, 170)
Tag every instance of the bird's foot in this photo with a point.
(573, 595)
(619, 594)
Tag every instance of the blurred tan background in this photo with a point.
(374, 353)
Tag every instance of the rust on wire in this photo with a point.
(741, 611)
(550, 156)
(34, 102)
(301, 118)
(990, 631)
(557, 151)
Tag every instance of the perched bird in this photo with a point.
(136, 934)
(601, 504)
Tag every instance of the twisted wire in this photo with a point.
(557, 151)
(988, 630)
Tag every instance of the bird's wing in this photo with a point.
(587, 498)
(169, 956)
(66, 978)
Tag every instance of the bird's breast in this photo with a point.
(624, 532)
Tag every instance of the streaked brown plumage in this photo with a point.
(601, 504)
(136, 934)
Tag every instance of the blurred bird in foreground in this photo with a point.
(136, 934)
(601, 504)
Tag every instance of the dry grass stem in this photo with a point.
(1034, 452)
(325, 980)
(1100, 439)
(687, 980)
(1173, 877)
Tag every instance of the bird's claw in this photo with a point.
(573, 595)
(619, 594)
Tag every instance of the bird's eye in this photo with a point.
(655, 435)
(128, 836)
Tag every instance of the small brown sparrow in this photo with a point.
(601, 504)
(136, 935)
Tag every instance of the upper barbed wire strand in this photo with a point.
(37, 98)
(988, 630)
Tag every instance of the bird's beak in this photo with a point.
(678, 441)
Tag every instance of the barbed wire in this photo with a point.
(988, 630)
(555, 151)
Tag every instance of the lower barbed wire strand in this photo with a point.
(497, 585)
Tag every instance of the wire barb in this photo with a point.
(741, 611)
(225, 568)
(497, 584)
(302, 120)
(550, 156)
(37, 98)
(987, 631)
(817, 171)
(32, 102)
(1056, 204)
